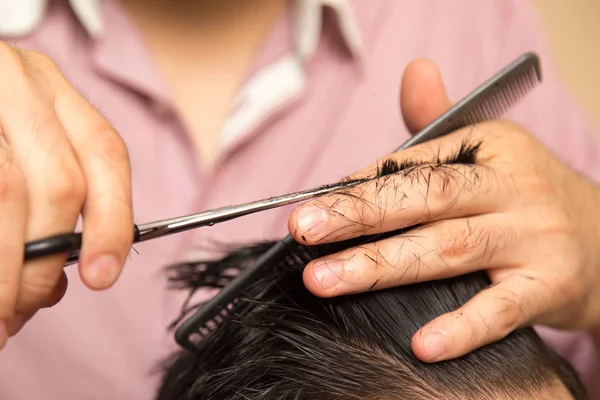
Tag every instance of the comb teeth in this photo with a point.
(489, 101)
(203, 330)
(500, 100)
(207, 329)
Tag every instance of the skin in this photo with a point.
(203, 49)
(521, 215)
(528, 215)
(60, 158)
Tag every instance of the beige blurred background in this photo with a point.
(573, 27)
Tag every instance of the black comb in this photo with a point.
(489, 101)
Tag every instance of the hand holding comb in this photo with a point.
(489, 101)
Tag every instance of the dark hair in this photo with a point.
(282, 342)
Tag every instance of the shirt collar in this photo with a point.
(19, 17)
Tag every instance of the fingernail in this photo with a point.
(435, 346)
(329, 273)
(311, 221)
(103, 270)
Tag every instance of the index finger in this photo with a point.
(437, 180)
(107, 215)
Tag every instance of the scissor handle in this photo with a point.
(63, 243)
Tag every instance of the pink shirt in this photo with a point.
(295, 126)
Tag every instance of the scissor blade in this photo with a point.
(211, 217)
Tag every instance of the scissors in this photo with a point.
(71, 242)
(486, 102)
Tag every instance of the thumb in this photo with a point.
(423, 96)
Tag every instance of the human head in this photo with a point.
(282, 342)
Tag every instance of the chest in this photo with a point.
(203, 87)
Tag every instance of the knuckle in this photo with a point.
(23, 67)
(511, 128)
(459, 239)
(570, 290)
(373, 254)
(444, 184)
(564, 294)
(35, 63)
(11, 58)
(510, 314)
(512, 134)
(36, 292)
(554, 221)
(42, 61)
(536, 182)
(474, 332)
(111, 146)
(407, 264)
(68, 186)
